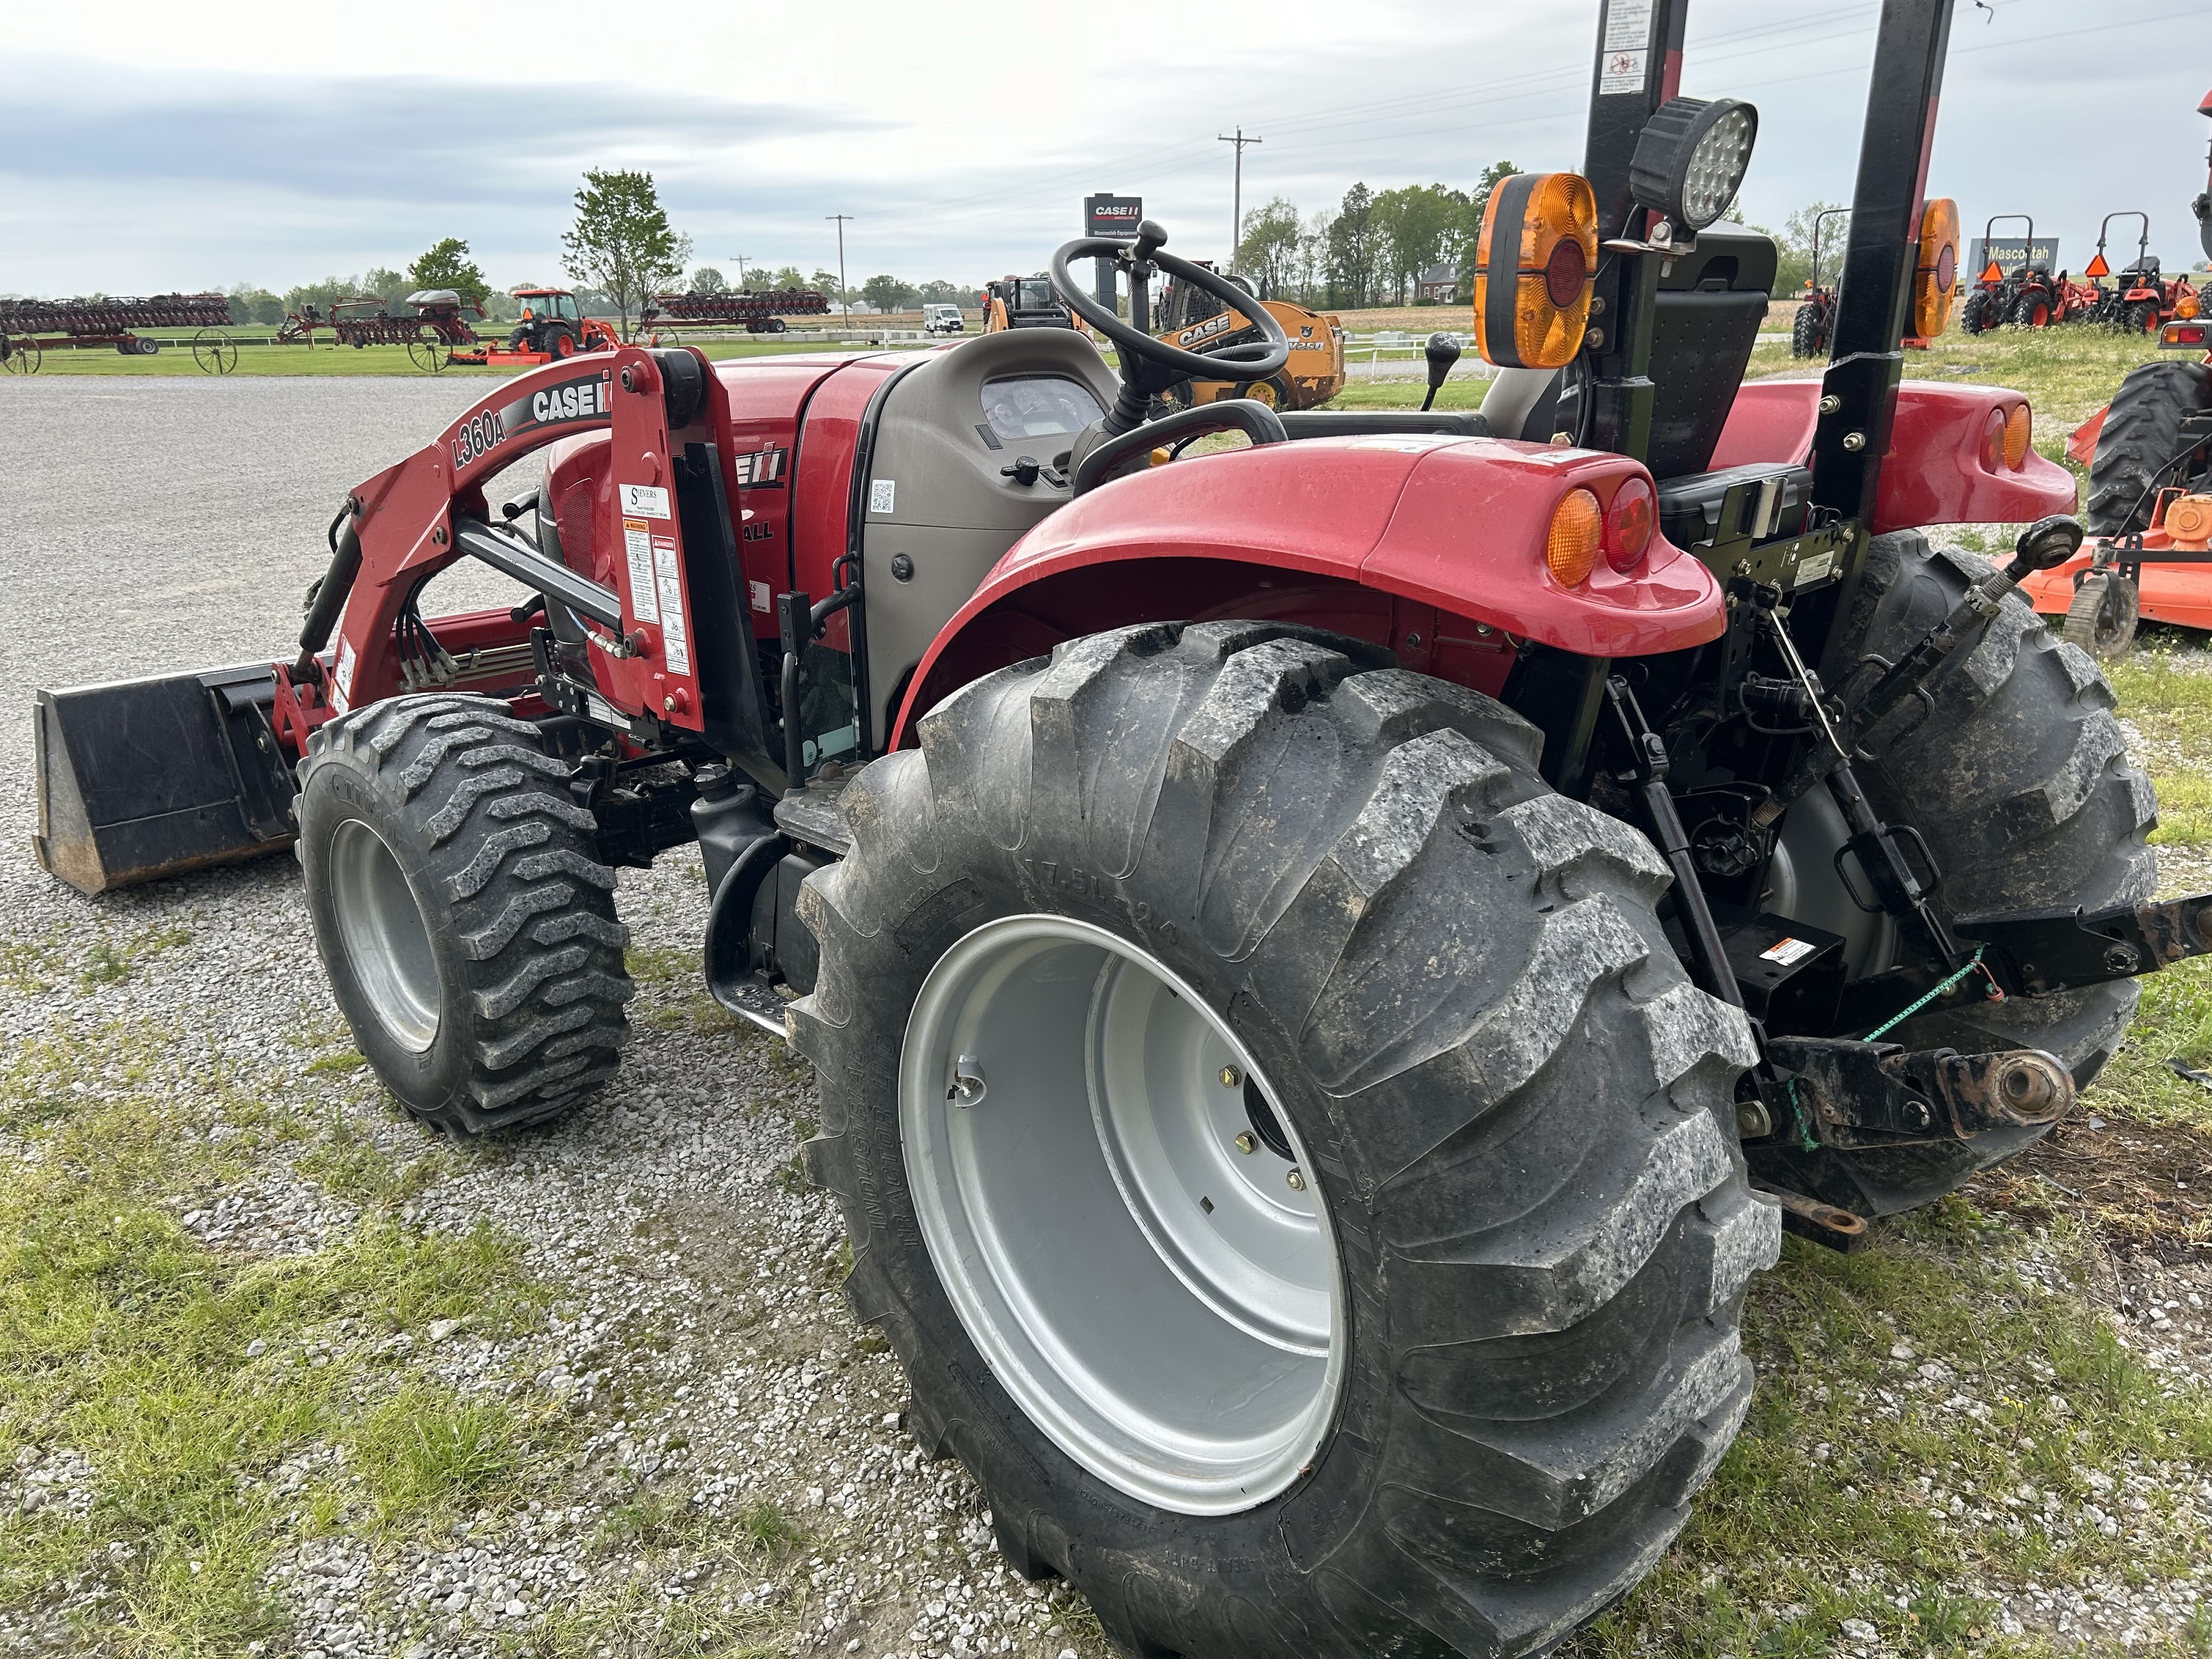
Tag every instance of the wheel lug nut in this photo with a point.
(1297, 1181)
(1245, 1143)
(1231, 1076)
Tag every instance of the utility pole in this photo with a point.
(740, 259)
(843, 287)
(1236, 198)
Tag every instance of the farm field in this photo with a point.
(281, 1372)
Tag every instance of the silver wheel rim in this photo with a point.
(1163, 1304)
(381, 931)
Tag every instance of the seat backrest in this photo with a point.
(1711, 306)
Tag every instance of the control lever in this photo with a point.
(2044, 545)
(1027, 470)
(1442, 351)
(1875, 844)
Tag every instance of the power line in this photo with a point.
(1237, 196)
(844, 288)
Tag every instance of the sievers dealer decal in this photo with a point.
(586, 399)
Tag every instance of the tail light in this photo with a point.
(2185, 334)
(2018, 432)
(1628, 524)
(1578, 529)
(1533, 266)
(1993, 442)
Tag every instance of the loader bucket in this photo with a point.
(141, 779)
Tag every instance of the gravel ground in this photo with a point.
(716, 1412)
(699, 1353)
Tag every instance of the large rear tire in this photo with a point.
(2140, 441)
(462, 913)
(2020, 779)
(1460, 1404)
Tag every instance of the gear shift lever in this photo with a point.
(1442, 351)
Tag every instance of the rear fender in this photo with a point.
(1437, 542)
(1933, 473)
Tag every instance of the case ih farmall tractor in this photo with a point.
(1329, 963)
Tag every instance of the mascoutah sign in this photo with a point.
(2009, 251)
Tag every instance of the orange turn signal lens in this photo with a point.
(1533, 266)
(1993, 442)
(2187, 306)
(1628, 524)
(1578, 529)
(1935, 279)
(2018, 432)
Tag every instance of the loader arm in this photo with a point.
(414, 518)
(141, 778)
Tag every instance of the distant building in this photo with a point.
(1438, 285)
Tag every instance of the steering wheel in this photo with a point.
(1161, 364)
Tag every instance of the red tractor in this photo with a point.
(1816, 311)
(1329, 964)
(2027, 297)
(2142, 297)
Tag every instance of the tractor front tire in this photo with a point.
(1274, 1133)
(462, 913)
(2020, 779)
(2139, 442)
(1808, 332)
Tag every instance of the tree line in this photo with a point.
(1372, 248)
(619, 251)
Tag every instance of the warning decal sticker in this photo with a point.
(1788, 952)
(675, 644)
(637, 545)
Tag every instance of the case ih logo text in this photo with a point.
(579, 400)
(762, 470)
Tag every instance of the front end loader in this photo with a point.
(1330, 963)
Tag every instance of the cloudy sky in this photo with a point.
(246, 140)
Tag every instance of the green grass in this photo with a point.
(188, 1375)
(1822, 1509)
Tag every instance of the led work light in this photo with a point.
(1692, 157)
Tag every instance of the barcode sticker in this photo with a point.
(637, 545)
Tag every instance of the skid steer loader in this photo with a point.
(1329, 964)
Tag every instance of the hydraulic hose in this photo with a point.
(331, 594)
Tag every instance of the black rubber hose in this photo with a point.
(331, 596)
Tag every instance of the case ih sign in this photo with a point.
(1113, 216)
